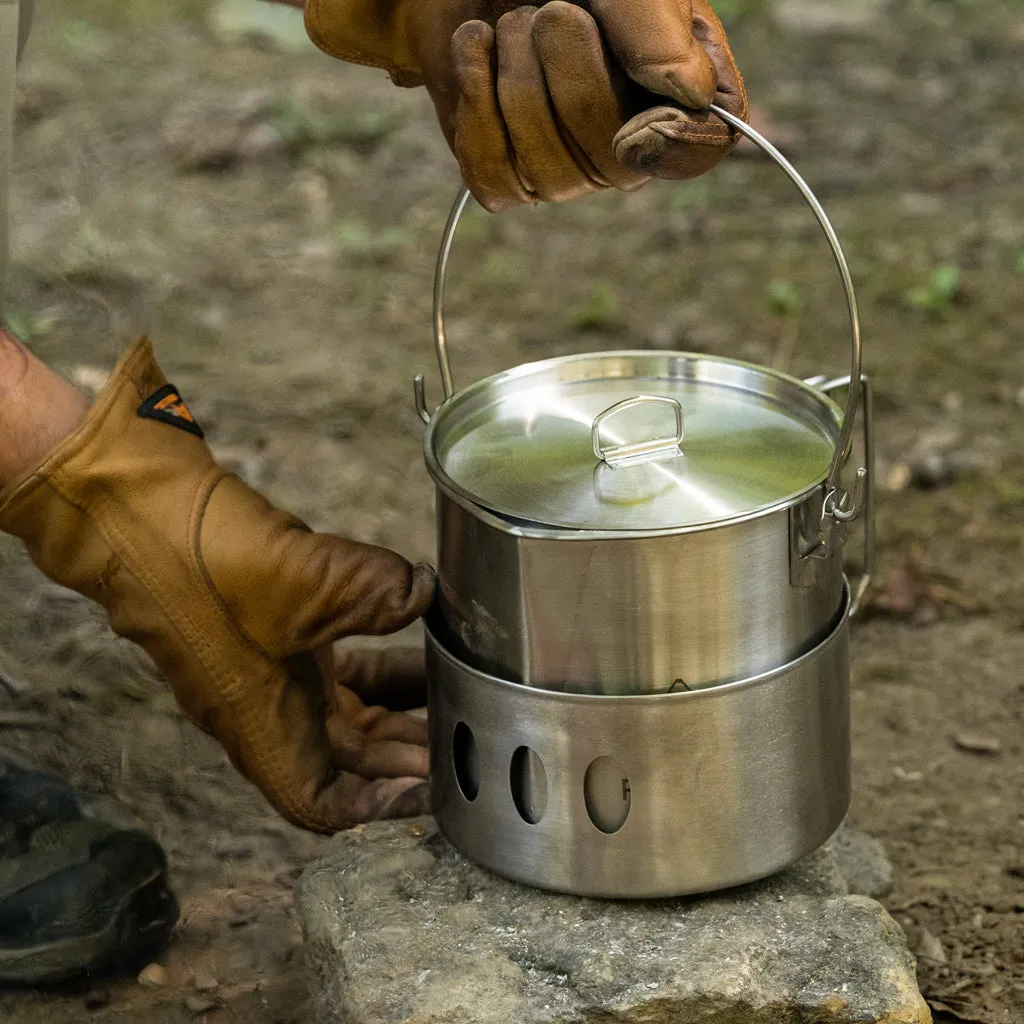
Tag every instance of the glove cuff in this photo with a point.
(368, 32)
(119, 491)
(135, 377)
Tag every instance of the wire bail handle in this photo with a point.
(842, 506)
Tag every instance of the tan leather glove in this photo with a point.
(553, 101)
(236, 602)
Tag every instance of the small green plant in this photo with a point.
(597, 313)
(1020, 263)
(784, 299)
(28, 328)
(940, 291)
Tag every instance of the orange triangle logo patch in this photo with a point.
(167, 406)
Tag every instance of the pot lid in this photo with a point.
(634, 441)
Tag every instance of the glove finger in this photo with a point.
(591, 95)
(667, 142)
(377, 723)
(295, 741)
(279, 739)
(382, 759)
(354, 731)
(362, 589)
(480, 141)
(393, 677)
(543, 155)
(354, 801)
(398, 798)
(654, 42)
(731, 93)
(291, 589)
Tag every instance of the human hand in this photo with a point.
(236, 602)
(558, 100)
(380, 752)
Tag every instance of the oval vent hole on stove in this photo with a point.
(607, 793)
(466, 759)
(528, 781)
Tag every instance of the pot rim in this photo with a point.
(841, 628)
(543, 531)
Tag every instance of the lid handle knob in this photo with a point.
(634, 452)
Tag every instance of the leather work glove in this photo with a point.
(553, 101)
(237, 603)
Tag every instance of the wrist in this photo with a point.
(38, 409)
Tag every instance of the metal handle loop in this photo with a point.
(637, 451)
(864, 489)
(854, 397)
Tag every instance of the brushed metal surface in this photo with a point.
(585, 612)
(719, 786)
(521, 443)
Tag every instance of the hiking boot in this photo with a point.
(77, 896)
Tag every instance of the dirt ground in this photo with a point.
(270, 219)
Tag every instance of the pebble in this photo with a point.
(213, 135)
(952, 403)
(200, 1004)
(930, 948)
(244, 907)
(204, 983)
(899, 477)
(153, 976)
(38, 100)
(976, 744)
(932, 469)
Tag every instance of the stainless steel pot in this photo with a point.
(642, 796)
(641, 522)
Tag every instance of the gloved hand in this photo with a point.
(553, 101)
(237, 603)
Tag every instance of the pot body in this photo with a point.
(585, 613)
(644, 796)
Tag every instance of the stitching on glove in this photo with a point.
(277, 785)
(198, 564)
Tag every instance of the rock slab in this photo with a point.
(400, 929)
